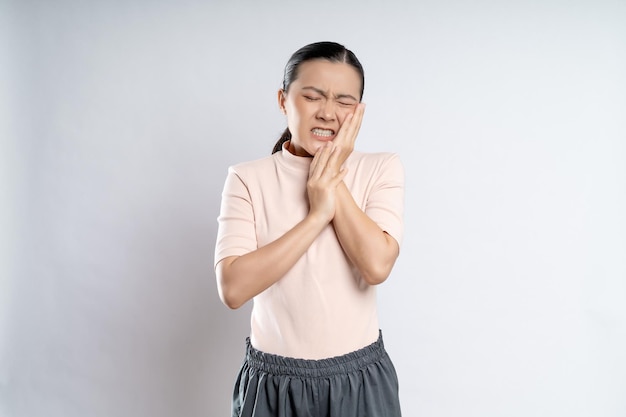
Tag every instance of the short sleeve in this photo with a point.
(385, 203)
(236, 234)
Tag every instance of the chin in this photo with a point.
(314, 149)
(309, 148)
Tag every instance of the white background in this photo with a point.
(119, 119)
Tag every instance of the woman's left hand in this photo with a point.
(344, 142)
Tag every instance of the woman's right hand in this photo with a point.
(324, 178)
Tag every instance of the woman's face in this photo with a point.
(317, 103)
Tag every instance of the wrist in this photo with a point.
(317, 219)
(342, 196)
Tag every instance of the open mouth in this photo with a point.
(325, 133)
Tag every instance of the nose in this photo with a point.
(326, 111)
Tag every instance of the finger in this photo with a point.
(350, 128)
(320, 160)
(327, 168)
(343, 133)
(355, 123)
(315, 163)
(335, 160)
(339, 177)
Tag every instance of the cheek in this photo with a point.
(293, 115)
(343, 114)
(298, 111)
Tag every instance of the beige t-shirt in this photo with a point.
(322, 307)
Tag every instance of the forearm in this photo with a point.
(369, 248)
(240, 278)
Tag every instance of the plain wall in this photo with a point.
(120, 118)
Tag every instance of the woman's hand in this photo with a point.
(324, 176)
(346, 137)
(326, 172)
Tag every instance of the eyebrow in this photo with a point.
(323, 93)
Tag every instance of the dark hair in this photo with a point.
(329, 51)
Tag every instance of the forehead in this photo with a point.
(337, 77)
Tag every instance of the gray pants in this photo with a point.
(360, 383)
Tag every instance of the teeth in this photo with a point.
(322, 132)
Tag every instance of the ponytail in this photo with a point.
(283, 138)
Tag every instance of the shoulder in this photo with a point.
(374, 157)
(253, 167)
(375, 161)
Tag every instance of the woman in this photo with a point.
(308, 233)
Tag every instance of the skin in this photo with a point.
(326, 95)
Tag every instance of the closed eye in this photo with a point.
(311, 98)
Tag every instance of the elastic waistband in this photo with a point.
(312, 368)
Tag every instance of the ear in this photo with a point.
(281, 101)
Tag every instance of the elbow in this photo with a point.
(377, 274)
(374, 279)
(230, 298)
(232, 304)
(226, 288)
(377, 269)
